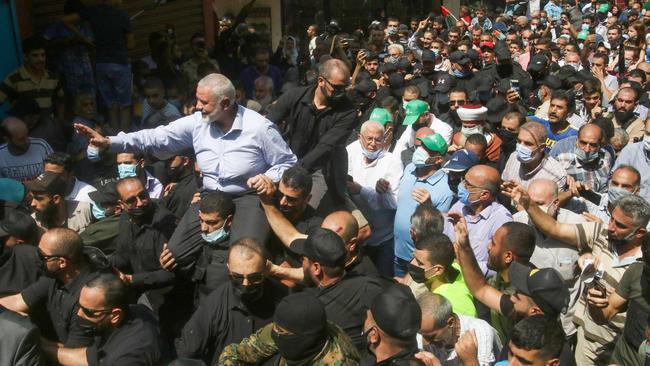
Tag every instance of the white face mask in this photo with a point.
(468, 131)
(404, 103)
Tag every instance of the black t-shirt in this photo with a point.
(61, 304)
(179, 199)
(18, 268)
(135, 342)
(110, 26)
(346, 303)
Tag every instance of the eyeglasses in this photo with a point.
(456, 102)
(47, 257)
(142, 196)
(252, 278)
(372, 139)
(91, 313)
(338, 88)
(470, 185)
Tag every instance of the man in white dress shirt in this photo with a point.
(375, 174)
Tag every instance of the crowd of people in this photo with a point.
(440, 190)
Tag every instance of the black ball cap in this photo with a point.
(396, 312)
(323, 246)
(19, 224)
(545, 286)
(105, 194)
(301, 313)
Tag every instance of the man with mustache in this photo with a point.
(624, 117)
(235, 148)
(557, 126)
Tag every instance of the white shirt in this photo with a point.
(407, 139)
(488, 342)
(80, 192)
(382, 207)
(153, 186)
(551, 253)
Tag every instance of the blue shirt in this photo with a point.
(441, 197)
(553, 10)
(249, 75)
(553, 137)
(252, 146)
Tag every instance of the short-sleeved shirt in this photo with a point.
(135, 342)
(26, 166)
(18, 268)
(593, 236)
(458, 294)
(634, 287)
(61, 301)
(441, 196)
(21, 84)
(110, 26)
(554, 137)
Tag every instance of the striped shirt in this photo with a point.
(21, 84)
(26, 166)
(549, 168)
(594, 175)
(593, 236)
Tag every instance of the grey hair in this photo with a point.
(398, 46)
(372, 125)
(220, 85)
(427, 221)
(636, 208)
(543, 183)
(266, 82)
(621, 135)
(435, 306)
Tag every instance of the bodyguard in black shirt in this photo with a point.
(124, 335)
(65, 270)
(236, 309)
(346, 296)
(18, 263)
(181, 184)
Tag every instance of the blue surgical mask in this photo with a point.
(372, 155)
(215, 237)
(127, 170)
(460, 74)
(501, 36)
(585, 157)
(92, 153)
(98, 212)
(615, 193)
(524, 154)
(420, 157)
(463, 195)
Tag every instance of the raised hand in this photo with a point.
(95, 138)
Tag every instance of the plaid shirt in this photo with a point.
(595, 175)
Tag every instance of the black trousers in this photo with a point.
(249, 221)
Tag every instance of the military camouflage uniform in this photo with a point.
(338, 350)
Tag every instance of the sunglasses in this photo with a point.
(338, 88)
(456, 102)
(252, 278)
(91, 313)
(143, 196)
(45, 257)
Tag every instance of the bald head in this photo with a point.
(542, 191)
(16, 134)
(13, 125)
(423, 131)
(334, 68)
(343, 224)
(246, 256)
(486, 177)
(64, 242)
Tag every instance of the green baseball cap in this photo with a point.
(582, 35)
(381, 115)
(414, 110)
(604, 8)
(435, 142)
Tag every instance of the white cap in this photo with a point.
(472, 112)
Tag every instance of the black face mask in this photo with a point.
(249, 293)
(417, 274)
(504, 68)
(337, 98)
(174, 174)
(359, 100)
(509, 138)
(140, 213)
(91, 329)
(299, 347)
